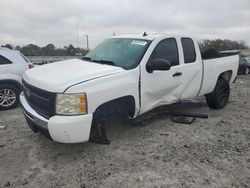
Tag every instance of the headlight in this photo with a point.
(71, 104)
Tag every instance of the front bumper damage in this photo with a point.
(63, 129)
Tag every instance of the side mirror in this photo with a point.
(158, 64)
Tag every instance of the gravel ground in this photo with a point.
(213, 152)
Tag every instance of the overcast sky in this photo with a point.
(55, 21)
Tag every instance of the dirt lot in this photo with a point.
(212, 152)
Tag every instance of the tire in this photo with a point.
(247, 70)
(98, 128)
(9, 96)
(219, 97)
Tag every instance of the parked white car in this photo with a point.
(12, 66)
(124, 74)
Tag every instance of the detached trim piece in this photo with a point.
(179, 117)
(235, 79)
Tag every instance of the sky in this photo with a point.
(42, 22)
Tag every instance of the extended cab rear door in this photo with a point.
(191, 68)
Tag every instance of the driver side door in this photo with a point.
(161, 87)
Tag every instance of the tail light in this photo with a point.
(31, 66)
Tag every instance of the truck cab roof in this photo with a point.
(152, 36)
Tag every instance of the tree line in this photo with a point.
(48, 50)
(222, 45)
(51, 50)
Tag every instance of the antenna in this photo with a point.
(145, 34)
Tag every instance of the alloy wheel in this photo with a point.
(7, 97)
(247, 71)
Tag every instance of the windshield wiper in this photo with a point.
(99, 61)
(105, 62)
(86, 58)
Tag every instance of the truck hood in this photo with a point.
(57, 77)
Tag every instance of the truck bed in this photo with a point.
(212, 68)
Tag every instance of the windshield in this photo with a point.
(122, 52)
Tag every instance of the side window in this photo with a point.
(166, 49)
(4, 61)
(25, 59)
(188, 50)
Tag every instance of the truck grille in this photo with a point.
(43, 102)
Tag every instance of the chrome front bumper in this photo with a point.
(63, 129)
(32, 115)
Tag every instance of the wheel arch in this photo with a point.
(13, 83)
(122, 104)
(227, 75)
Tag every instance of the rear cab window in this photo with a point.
(188, 50)
(4, 61)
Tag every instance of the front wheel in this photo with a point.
(9, 96)
(98, 128)
(219, 97)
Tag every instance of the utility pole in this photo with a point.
(77, 39)
(87, 40)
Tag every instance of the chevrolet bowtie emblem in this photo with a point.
(28, 93)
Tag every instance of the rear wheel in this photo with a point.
(9, 96)
(219, 97)
(247, 71)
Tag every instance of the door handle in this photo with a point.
(177, 74)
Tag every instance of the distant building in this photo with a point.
(78, 54)
(245, 52)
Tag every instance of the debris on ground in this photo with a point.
(211, 152)
(2, 127)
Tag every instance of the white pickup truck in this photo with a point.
(71, 100)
